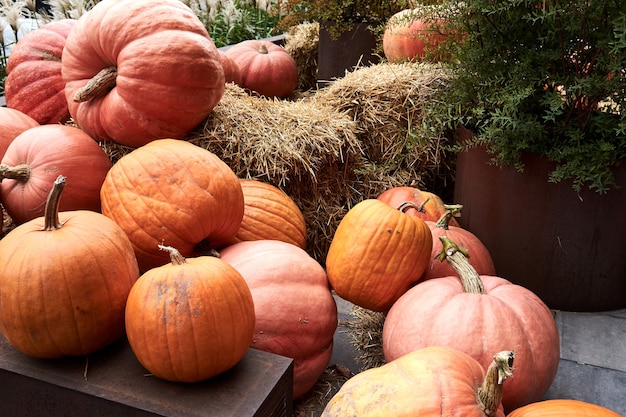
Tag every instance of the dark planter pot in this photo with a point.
(336, 54)
(565, 247)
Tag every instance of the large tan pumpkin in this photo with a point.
(430, 382)
(174, 193)
(139, 70)
(296, 314)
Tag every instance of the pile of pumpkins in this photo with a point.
(169, 248)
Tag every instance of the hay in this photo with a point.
(312, 404)
(301, 42)
(366, 332)
(334, 148)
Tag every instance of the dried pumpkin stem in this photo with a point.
(51, 214)
(457, 259)
(409, 204)
(263, 49)
(101, 83)
(175, 256)
(491, 390)
(20, 172)
(452, 210)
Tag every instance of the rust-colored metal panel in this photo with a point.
(565, 247)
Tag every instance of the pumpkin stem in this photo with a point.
(20, 172)
(457, 259)
(51, 213)
(408, 204)
(263, 49)
(490, 392)
(175, 256)
(452, 210)
(101, 83)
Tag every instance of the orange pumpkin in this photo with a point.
(413, 34)
(478, 315)
(430, 382)
(190, 320)
(64, 280)
(12, 123)
(269, 213)
(563, 408)
(139, 70)
(175, 193)
(480, 258)
(430, 207)
(34, 84)
(266, 68)
(376, 254)
(37, 156)
(296, 314)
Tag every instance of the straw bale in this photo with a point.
(301, 42)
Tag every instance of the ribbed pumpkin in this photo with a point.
(269, 213)
(478, 315)
(64, 280)
(296, 314)
(175, 193)
(430, 382)
(377, 253)
(563, 408)
(139, 70)
(191, 319)
(266, 68)
(480, 257)
(34, 84)
(12, 123)
(37, 156)
(430, 207)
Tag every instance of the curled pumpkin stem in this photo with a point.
(101, 83)
(452, 210)
(491, 391)
(457, 259)
(409, 204)
(20, 172)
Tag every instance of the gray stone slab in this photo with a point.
(593, 338)
(596, 385)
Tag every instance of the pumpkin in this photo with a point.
(37, 156)
(232, 74)
(266, 68)
(175, 193)
(34, 84)
(139, 70)
(562, 408)
(431, 382)
(478, 315)
(191, 319)
(480, 258)
(269, 213)
(64, 280)
(411, 35)
(12, 123)
(296, 314)
(430, 207)
(377, 253)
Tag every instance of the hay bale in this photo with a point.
(301, 42)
